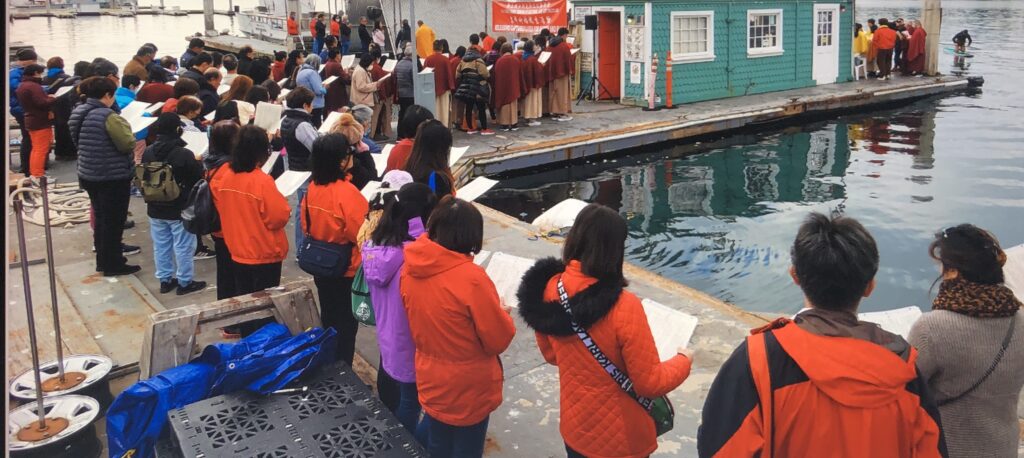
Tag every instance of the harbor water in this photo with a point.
(720, 216)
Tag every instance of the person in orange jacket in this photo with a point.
(253, 214)
(884, 40)
(598, 417)
(293, 30)
(823, 383)
(333, 211)
(459, 327)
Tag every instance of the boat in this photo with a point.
(268, 22)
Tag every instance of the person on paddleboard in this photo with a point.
(962, 40)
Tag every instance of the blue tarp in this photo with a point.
(262, 362)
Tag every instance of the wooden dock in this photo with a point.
(232, 44)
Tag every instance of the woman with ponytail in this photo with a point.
(405, 213)
(971, 345)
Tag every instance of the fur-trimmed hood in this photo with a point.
(588, 306)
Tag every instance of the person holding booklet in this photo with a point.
(559, 68)
(253, 215)
(386, 91)
(298, 133)
(603, 419)
(444, 82)
(337, 89)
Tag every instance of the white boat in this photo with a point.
(268, 22)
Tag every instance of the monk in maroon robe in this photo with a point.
(337, 92)
(559, 69)
(508, 87)
(534, 80)
(444, 82)
(916, 49)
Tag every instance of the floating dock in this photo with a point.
(605, 127)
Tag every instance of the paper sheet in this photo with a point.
(570, 40)
(1013, 270)
(155, 107)
(389, 66)
(476, 188)
(268, 116)
(222, 89)
(381, 159)
(489, 67)
(386, 76)
(427, 70)
(283, 94)
(196, 142)
(506, 271)
(63, 90)
(348, 61)
(482, 257)
(269, 165)
(328, 81)
(423, 61)
(896, 321)
(281, 83)
(671, 328)
(456, 153)
(561, 215)
(290, 181)
(329, 123)
(573, 51)
(544, 56)
(134, 110)
(209, 116)
(370, 189)
(139, 123)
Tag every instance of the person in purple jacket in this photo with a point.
(403, 220)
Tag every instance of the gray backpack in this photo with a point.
(156, 181)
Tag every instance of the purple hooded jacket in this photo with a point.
(381, 267)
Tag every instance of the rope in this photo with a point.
(69, 203)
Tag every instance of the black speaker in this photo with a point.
(590, 22)
(373, 13)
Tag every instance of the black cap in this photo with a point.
(27, 54)
(167, 124)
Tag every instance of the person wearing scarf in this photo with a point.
(971, 345)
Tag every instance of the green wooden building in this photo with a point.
(720, 48)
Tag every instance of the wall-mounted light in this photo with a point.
(630, 19)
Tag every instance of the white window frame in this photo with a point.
(686, 58)
(776, 50)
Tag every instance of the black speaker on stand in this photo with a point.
(590, 23)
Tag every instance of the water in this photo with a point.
(721, 216)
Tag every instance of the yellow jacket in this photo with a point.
(861, 43)
(424, 41)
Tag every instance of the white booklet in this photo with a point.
(456, 153)
(268, 116)
(155, 107)
(283, 94)
(283, 80)
(389, 66)
(209, 116)
(290, 181)
(329, 123)
(476, 188)
(139, 123)
(134, 109)
(347, 61)
(544, 56)
(222, 89)
(381, 159)
(370, 189)
(328, 81)
(573, 51)
(672, 329)
(196, 142)
(269, 165)
(898, 321)
(506, 271)
(63, 90)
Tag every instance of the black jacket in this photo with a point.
(244, 66)
(186, 169)
(298, 154)
(363, 170)
(208, 95)
(259, 71)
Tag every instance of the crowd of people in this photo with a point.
(886, 47)
(441, 326)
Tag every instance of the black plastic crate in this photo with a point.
(336, 417)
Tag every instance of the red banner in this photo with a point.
(528, 16)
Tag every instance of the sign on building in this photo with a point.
(528, 16)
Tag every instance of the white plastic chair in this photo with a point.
(860, 65)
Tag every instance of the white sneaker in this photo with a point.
(563, 118)
(533, 123)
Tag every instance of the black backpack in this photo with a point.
(200, 216)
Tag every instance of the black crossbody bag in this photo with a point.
(323, 259)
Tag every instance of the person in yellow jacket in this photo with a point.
(424, 40)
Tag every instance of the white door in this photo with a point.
(826, 43)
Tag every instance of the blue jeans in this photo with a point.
(344, 47)
(173, 250)
(401, 398)
(318, 43)
(298, 213)
(455, 441)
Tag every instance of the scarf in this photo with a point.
(976, 299)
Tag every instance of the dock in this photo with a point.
(70, 13)
(233, 44)
(606, 128)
